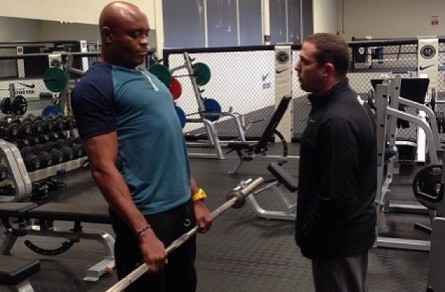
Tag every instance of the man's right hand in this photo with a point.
(153, 251)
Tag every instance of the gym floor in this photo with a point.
(242, 252)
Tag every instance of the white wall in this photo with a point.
(390, 19)
(84, 15)
(78, 11)
(325, 16)
(54, 30)
(16, 29)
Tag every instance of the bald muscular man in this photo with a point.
(138, 157)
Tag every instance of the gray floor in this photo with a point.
(242, 252)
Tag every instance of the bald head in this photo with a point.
(124, 32)
(115, 11)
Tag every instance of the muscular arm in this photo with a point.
(102, 155)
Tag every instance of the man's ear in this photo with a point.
(329, 68)
(106, 34)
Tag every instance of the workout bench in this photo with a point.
(284, 178)
(46, 215)
(246, 151)
(15, 271)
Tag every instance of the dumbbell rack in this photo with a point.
(22, 179)
(17, 172)
(55, 169)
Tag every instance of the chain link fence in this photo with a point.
(242, 80)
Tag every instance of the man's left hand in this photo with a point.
(203, 216)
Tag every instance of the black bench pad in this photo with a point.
(14, 270)
(10, 209)
(283, 176)
(70, 212)
(241, 145)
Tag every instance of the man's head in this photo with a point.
(323, 61)
(124, 32)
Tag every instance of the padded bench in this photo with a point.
(283, 176)
(46, 215)
(69, 212)
(14, 271)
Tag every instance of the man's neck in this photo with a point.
(330, 82)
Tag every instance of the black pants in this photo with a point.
(179, 274)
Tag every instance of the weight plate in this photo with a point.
(19, 105)
(175, 88)
(212, 106)
(162, 73)
(181, 115)
(202, 73)
(51, 110)
(55, 79)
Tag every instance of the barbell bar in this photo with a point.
(235, 198)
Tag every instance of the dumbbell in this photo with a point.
(33, 140)
(25, 127)
(39, 191)
(36, 122)
(32, 161)
(78, 150)
(59, 123)
(9, 129)
(48, 124)
(70, 123)
(46, 159)
(54, 184)
(76, 145)
(59, 143)
(56, 153)
(44, 138)
(54, 136)
(63, 145)
(73, 140)
(57, 156)
(20, 143)
(23, 137)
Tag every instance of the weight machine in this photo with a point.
(429, 190)
(387, 99)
